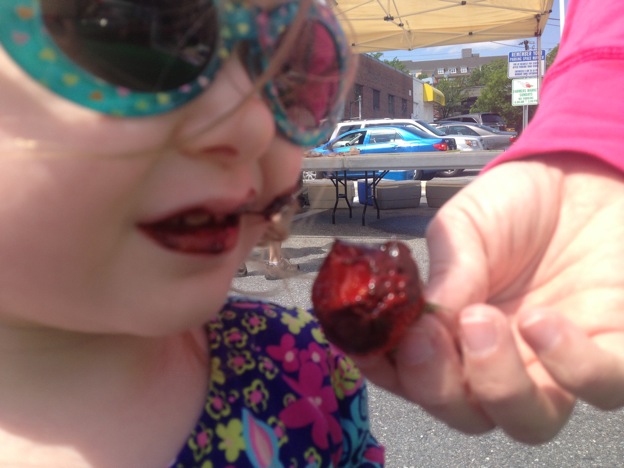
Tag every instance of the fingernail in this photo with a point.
(419, 348)
(541, 332)
(479, 332)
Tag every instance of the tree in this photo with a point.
(550, 56)
(394, 63)
(496, 93)
(455, 91)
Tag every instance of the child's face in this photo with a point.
(131, 225)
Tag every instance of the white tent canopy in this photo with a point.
(384, 25)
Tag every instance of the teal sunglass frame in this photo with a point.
(25, 34)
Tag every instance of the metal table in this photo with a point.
(379, 164)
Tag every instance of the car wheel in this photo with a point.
(418, 174)
(450, 172)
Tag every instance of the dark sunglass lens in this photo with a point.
(143, 45)
(309, 83)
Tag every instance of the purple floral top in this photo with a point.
(280, 396)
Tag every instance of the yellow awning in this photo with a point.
(431, 94)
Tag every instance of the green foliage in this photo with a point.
(455, 91)
(550, 56)
(394, 63)
(496, 93)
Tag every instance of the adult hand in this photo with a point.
(527, 264)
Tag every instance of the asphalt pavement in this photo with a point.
(592, 438)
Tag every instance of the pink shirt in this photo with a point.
(581, 106)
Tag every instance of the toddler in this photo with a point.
(147, 146)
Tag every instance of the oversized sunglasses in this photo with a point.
(137, 58)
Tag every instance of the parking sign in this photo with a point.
(524, 64)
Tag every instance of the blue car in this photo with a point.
(371, 140)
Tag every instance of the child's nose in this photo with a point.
(230, 120)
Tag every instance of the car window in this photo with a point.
(489, 129)
(432, 129)
(462, 130)
(418, 132)
(351, 139)
(382, 137)
(346, 128)
(492, 119)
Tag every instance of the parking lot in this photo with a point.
(412, 438)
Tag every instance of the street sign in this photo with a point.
(524, 92)
(524, 64)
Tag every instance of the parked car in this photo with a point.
(491, 119)
(348, 125)
(492, 138)
(454, 142)
(371, 140)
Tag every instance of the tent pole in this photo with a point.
(539, 62)
(561, 16)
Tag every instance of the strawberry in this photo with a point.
(366, 296)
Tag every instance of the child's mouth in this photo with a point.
(195, 231)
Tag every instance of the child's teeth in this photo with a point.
(196, 219)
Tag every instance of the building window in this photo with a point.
(391, 105)
(376, 99)
(404, 108)
(453, 71)
(463, 70)
(440, 71)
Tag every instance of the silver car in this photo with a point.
(492, 139)
(464, 142)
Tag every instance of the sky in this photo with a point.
(550, 39)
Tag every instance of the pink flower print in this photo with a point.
(317, 355)
(202, 439)
(201, 443)
(279, 429)
(217, 405)
(228, 315)
(269, 310)
(313, 458)
(346, 376)
(314, 408)
(286, 353)
(241, 361)
(267, 367)
(235, 338)
(254, 323)
(256, 395)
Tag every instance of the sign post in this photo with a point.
(524, 69)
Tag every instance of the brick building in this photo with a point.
(379, 91)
